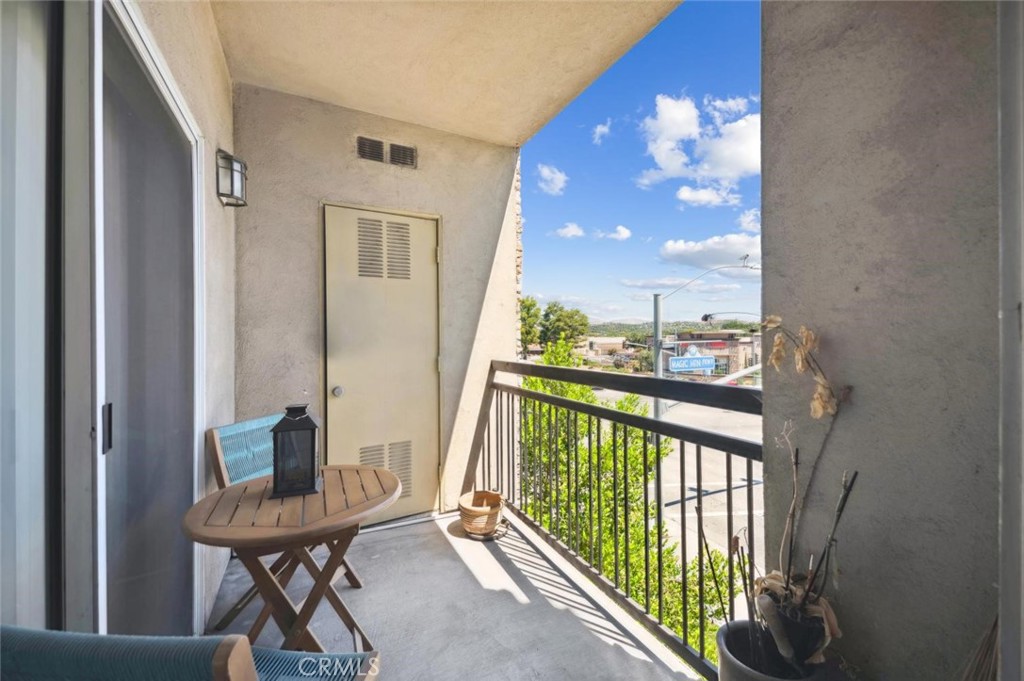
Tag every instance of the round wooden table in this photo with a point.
(244, 517)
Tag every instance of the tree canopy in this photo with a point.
(561, 322)
(529, 323)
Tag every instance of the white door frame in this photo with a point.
(127, 16)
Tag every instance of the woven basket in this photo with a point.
(480, 512)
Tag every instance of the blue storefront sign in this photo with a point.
(691, 363)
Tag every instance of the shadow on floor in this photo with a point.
(439, 605)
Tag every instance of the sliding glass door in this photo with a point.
(148, 334)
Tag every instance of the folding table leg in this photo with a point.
(277, 568)
(293, 624)
(283, 577)
(351, 575)
(321, 584)
(359, 638)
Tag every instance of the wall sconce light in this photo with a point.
(230, 179)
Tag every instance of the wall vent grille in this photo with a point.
(371, 248)
(386, 152)
(399, 251)
(370, 149)
(372, 456)
(401, 155)
(400, 463)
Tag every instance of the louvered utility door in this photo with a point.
(382, 349)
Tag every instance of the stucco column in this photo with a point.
(881, 232)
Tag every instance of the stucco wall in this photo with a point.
(302, 153)
(880, 230)
(186, 36)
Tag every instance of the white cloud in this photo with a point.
(570, 231)
(707, 196)
(601, 130)
(589, 306)
(676, 282)
(727, 249)
(750, 220)
(718, 299)
(552, 180)
(674, 121)
(620, 233)
(732, 154)
(640, 297)
(722, 110)
(716, 153)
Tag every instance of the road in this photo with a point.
(715, 487)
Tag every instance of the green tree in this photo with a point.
(738, 325)
(638, 336)
(587, 484)
(529, 323)
(645, 361)
(560, 322)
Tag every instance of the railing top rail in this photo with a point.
(734, 398)
(725, 443)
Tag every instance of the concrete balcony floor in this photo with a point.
(439, 605)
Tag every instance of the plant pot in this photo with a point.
(480, 512)
(734, 656)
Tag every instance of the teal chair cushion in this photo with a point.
(288, 665)
(40, 655)
(248, 448)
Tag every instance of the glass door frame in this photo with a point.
(85, 540)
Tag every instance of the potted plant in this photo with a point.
(792, 620)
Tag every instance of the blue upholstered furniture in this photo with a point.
(39, 655)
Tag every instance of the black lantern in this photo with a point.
(296, 454)
(231, 174)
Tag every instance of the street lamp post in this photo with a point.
(658, 370)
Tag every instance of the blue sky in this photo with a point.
(652, 176)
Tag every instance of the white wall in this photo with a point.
(881, 231)
(186, 36)
(301, 153)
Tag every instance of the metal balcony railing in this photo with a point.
(614, 490)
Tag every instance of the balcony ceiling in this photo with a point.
(495, 71)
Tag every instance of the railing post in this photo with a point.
(658, 371)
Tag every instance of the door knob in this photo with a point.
(337, 391)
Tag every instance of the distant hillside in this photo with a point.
(614, 329)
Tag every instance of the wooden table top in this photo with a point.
(244, 516)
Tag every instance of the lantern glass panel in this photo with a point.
(238, 186)
(295, 468)
(223, 178)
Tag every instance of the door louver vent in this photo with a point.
(371, 248)
(396, 457)
(401, 155)
(399, 251)
(400, 463)
(370, 149)
(372, 456)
